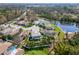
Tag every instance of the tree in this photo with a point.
(8, 37)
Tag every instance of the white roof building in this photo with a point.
(35, 32)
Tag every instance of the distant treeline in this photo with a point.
(60, 13)
(9, 14)
(62, 19)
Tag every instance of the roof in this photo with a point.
(19, 51)
(35, 31)
(11, 31)
(6, 31)
(1, 40)
(15, 31)
(24, 33)
(48, 32)
(4, 46)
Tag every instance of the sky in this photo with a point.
(39, 1)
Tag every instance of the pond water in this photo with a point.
(67, 26)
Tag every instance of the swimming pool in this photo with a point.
(12, 48)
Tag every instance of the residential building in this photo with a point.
(10, 31)
(48, 32)
(24, 33)
(4, 47)
(35, 33)
(7, 48)
(15, 31)
(43, 23)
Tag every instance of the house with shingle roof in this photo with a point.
(4, 46)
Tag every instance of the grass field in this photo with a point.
(60, 31)
(37, 52)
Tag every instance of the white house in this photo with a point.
(35, 33)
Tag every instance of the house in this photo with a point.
(43, 23)
(24, 33)
(21, 22)
(4, 46)
(7, 48)
(40, 22)
(10, 31)
(48, 32)
(6, 31)
(35, 33)
(69, 35)
(15, 31)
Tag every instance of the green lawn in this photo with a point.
(37, 52)
(58, 29)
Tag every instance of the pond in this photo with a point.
(67, 26)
